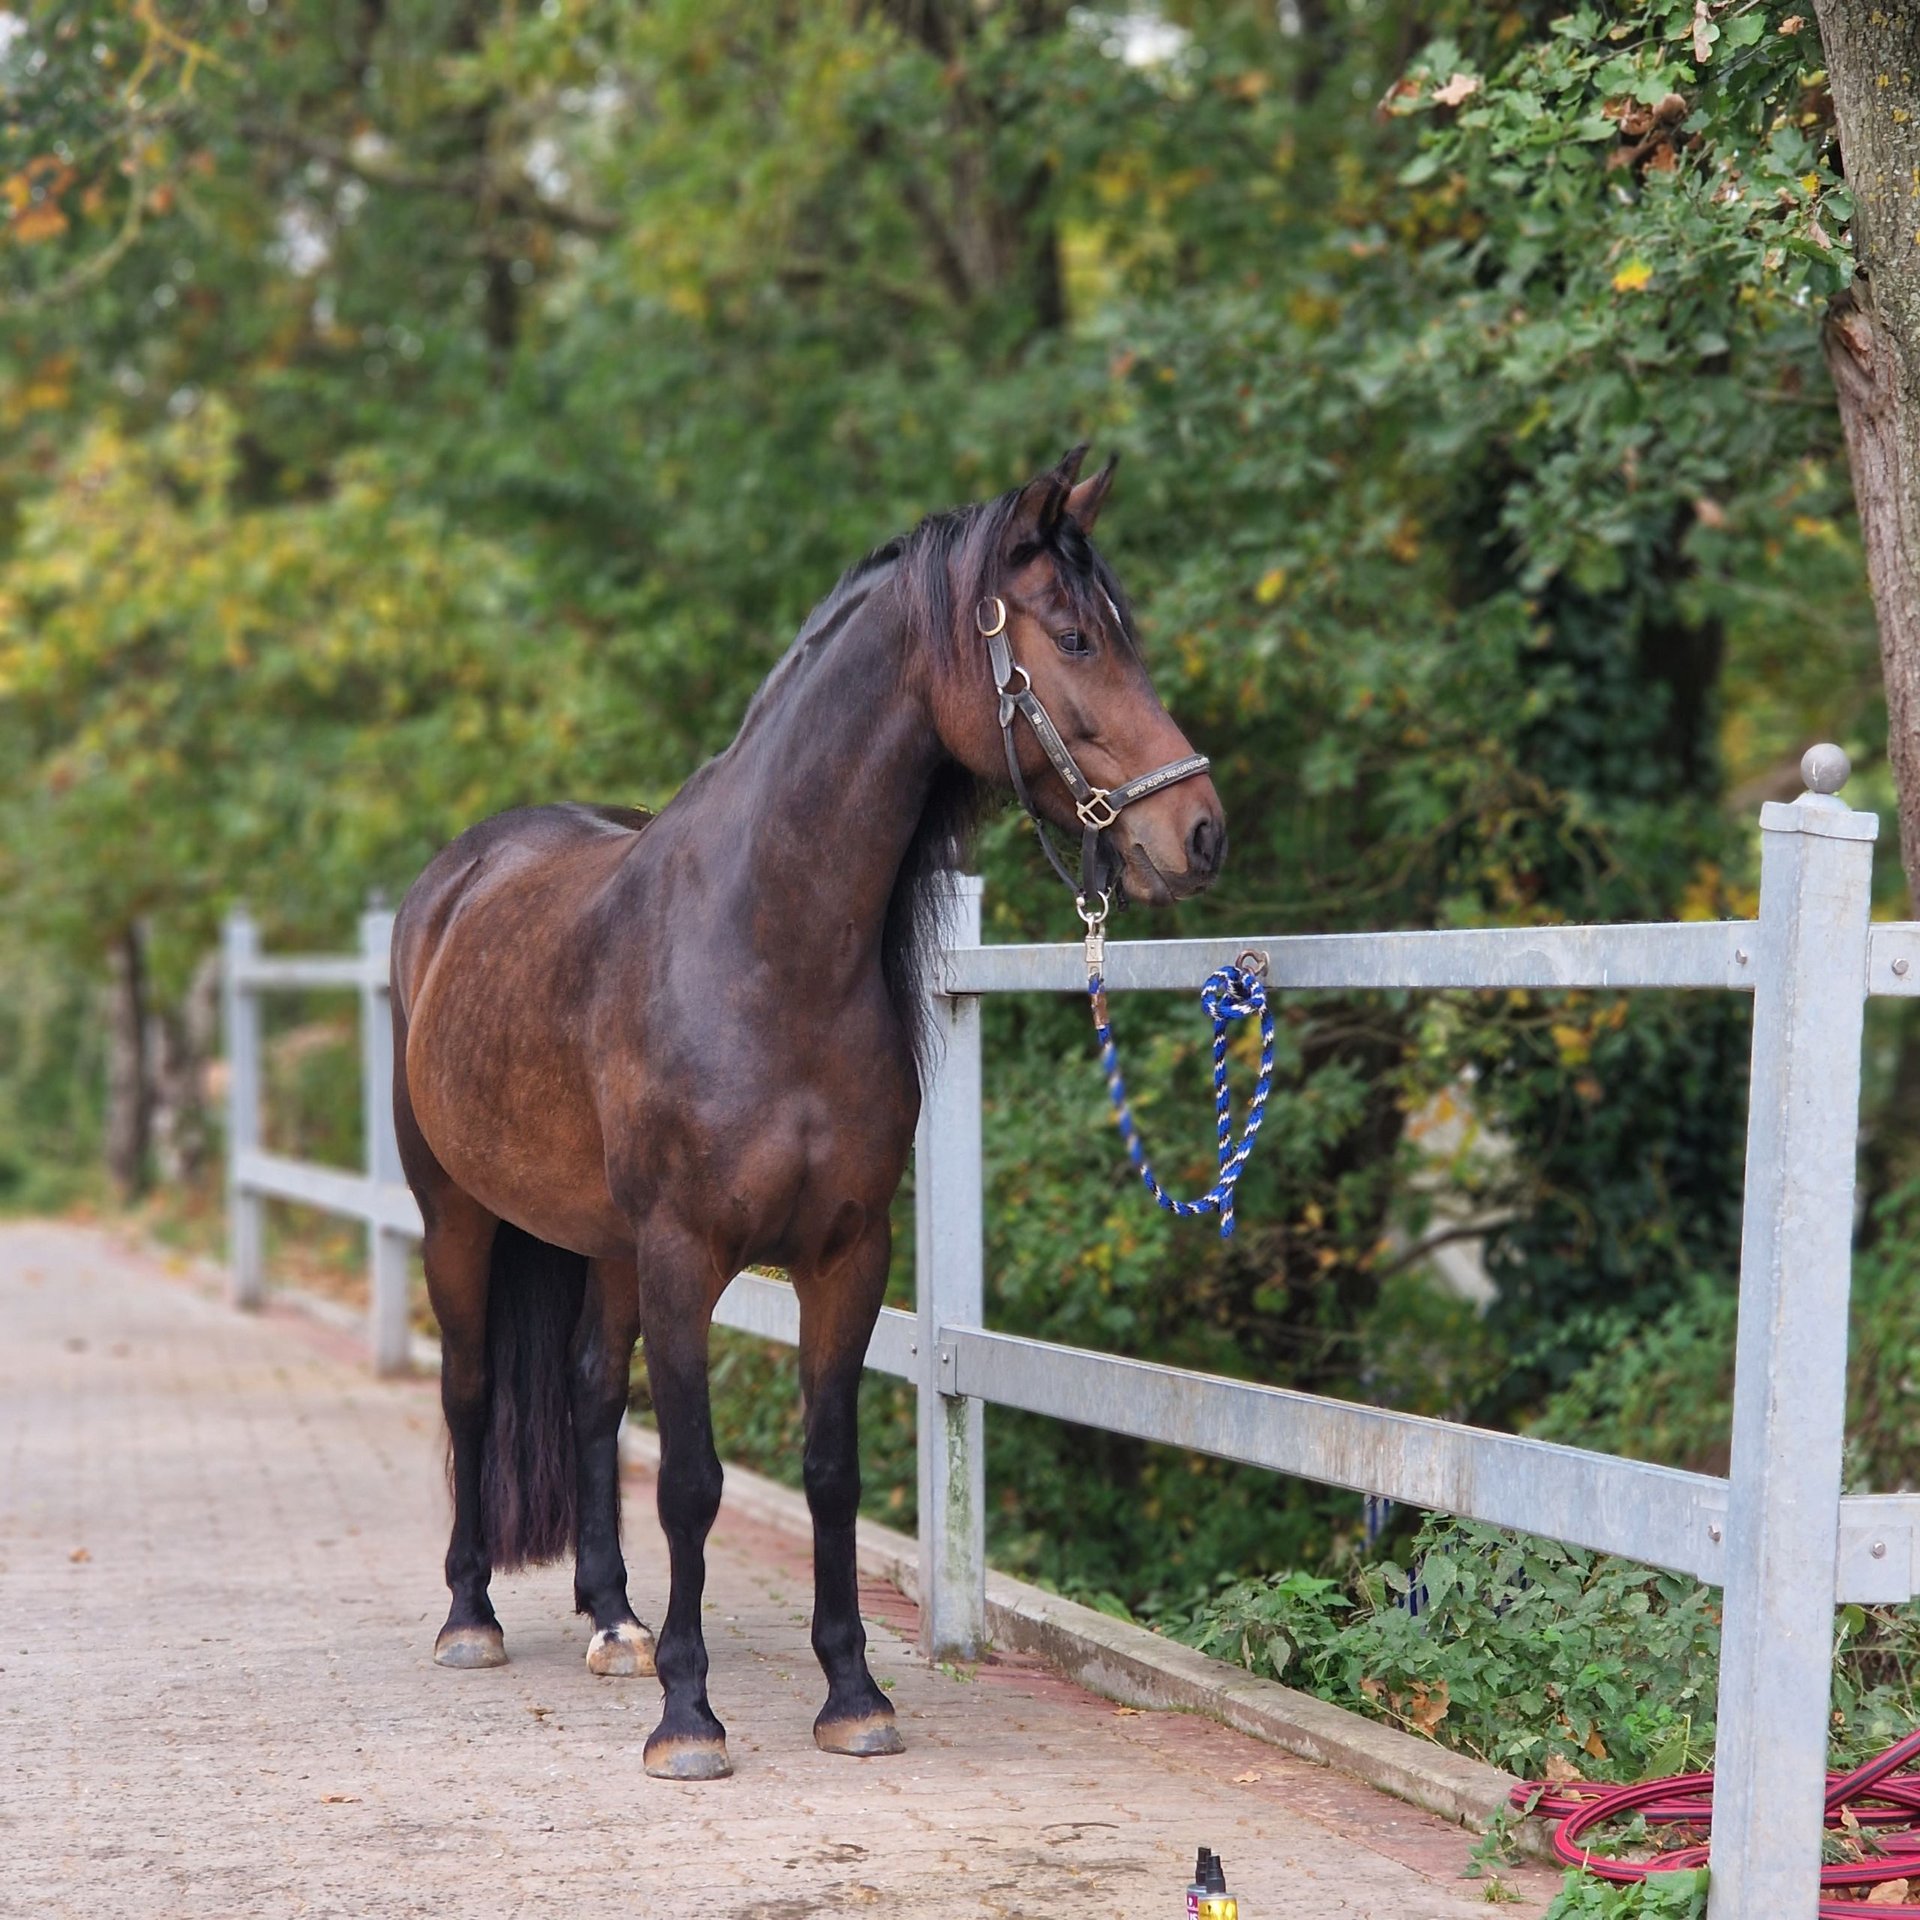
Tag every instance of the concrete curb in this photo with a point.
(1140, 1668)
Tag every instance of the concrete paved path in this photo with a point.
(219, 1584)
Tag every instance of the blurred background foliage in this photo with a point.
(418, 407)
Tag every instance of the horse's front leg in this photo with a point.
(601, 1358)
(676, 1302)
(838, 1307)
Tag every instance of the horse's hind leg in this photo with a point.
(602, 1355)
(457, 1251)
(838, 1308)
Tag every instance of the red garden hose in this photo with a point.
(1886, 1808)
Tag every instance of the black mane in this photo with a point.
(946, 566)
(942, 570)
(952, 561)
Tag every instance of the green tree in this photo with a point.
(516, 377)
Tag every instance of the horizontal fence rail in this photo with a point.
(1686, 953)
(1663, 1516)
(288, 972)
(1775, 1533)
(753, 1303)
(356, 1196)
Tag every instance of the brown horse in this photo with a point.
(637, 1054)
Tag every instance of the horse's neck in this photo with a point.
(829, 777)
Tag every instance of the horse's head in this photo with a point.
(1044, 644)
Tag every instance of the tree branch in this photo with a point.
(1445, 1236)
(516, 196)
(948, 266)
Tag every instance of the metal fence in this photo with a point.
(1775, 1533)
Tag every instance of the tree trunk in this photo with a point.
(1872, 340)
(990, 244)
(128, 1103)
(180, 1041)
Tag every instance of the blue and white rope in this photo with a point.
(1233, 993)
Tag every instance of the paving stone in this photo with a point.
(219, 1584)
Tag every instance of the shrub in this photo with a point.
(1514, 1649)
(1530, 1654)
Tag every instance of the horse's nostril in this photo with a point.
(1205, 844)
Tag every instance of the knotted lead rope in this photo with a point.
(1233, 992)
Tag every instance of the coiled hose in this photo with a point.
(1882, 1807)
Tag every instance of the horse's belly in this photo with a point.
(512, 1122)
(804, 1180)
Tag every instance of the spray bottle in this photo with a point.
(1198, 1890)
(1216, 1903)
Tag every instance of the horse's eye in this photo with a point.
(1072, 643)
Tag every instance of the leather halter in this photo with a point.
(1097, 807)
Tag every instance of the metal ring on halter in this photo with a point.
(1010, 695)
(1092, 918)
(1096, 810)
(1254, 962)
(1000, 619)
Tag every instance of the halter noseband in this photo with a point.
(1098, 807)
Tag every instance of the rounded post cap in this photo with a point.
(1825, 768)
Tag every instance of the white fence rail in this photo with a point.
(1775, 1533)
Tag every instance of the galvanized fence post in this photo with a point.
(389, 1257)
(949, 1282)
(1789, 1407)
(246, 1211)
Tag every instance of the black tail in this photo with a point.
(534, 1296)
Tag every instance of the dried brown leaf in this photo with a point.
(1428, 1708)
(1703, 34)
(42, 221)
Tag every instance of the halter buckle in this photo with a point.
(1096, 810)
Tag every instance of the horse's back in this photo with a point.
(572, 845)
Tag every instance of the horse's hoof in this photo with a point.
(622, 1652)
(867, 1737)
(470, 1647)
(688, 1759)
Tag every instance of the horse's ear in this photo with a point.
(1042, 501)
(1086, 500)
